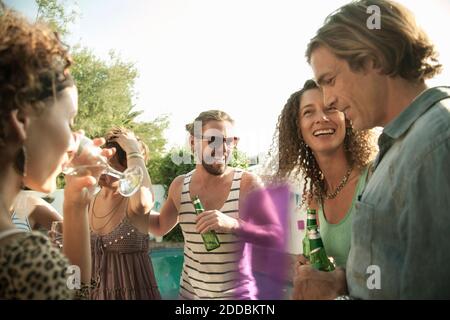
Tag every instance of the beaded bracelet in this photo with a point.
(133, 153)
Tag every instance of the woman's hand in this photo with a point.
(78, 190)
(128, 142)
(301, 260)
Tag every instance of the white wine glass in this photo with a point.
(86, 159)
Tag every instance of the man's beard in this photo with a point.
(215, 170)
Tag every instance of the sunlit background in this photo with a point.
(242, 56)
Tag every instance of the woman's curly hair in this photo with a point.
(296, 157)
(33, 65)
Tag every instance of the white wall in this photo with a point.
(59, 199)
(295, 236)
(159, 201)
(159, 196)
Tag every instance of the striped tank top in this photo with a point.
(223, 273)
(21, 224)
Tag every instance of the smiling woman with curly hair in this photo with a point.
(317, 142)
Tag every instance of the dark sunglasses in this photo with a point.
(229, 141)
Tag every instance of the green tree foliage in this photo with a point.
(105, 87)
(163, 170)
(239, 160)
(105, 100)
(55, 13)
(105, 91)
(106, 94)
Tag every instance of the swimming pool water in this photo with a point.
(167, 264)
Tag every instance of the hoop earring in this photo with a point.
(20, 164)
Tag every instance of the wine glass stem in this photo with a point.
(113, 172)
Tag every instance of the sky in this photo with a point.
(242, 56)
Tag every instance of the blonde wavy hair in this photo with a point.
(398, 48)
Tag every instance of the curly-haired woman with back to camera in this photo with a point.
(38, 103)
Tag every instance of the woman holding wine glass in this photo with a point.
(37, 109)
(119, 224)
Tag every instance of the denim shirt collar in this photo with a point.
(397, 127)
(419, 106)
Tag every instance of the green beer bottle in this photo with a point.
(317, 254)
(311, 222)
(210, 238)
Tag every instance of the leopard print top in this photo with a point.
(30, 268)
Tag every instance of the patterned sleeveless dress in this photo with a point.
(121, 265)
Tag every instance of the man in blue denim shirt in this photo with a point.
(400, 245)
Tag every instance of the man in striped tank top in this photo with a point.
(225, 272)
